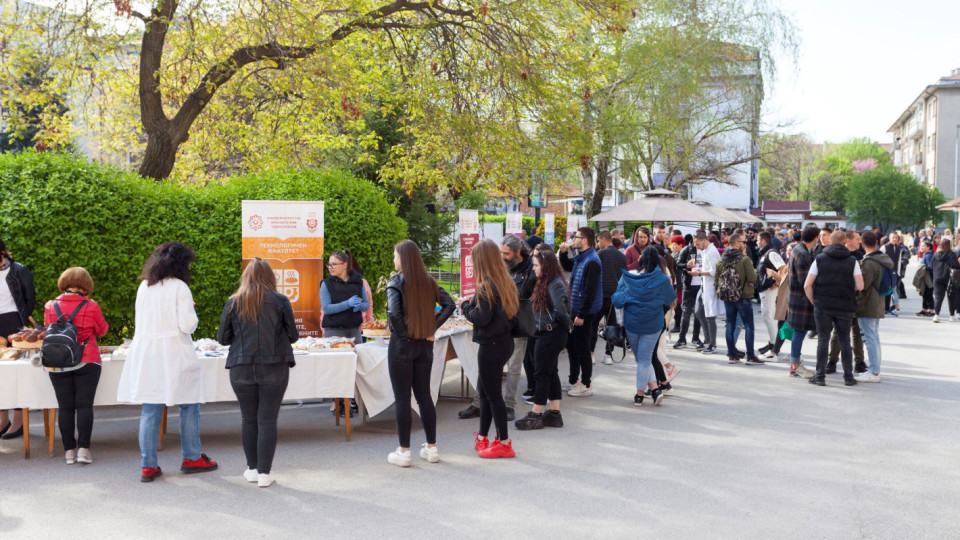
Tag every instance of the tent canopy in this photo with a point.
(668, 206)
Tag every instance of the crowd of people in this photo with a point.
(829, 285)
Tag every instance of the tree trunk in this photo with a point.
(586, 182)
(599, 187)
(159, 156)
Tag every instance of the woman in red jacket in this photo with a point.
(77, 386)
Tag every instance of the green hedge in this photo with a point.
(58, 211)
(527, 224)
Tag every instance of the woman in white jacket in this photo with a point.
(708, 306)
(162, 367)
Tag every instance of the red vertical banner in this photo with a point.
(469, 237)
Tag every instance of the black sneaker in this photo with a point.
(699, 344)
(637, 400)
(765, 348)
(733, 360)
(666, 387)
(849, 381)
(511, 414)
(831, 368)
(739, 354)
(469, 412)
(861, 367)
(531, 421)
(552, 418)
(818, 380)
(709, 350)
(679, 344)
(527, 397)
(657, 396)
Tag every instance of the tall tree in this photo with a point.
(788, 164)
(885, 197)
(837, 168)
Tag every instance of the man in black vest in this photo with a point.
(612, 265)
(831, 286)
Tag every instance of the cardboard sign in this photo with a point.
(289, 236)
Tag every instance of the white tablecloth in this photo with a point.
(373, 375)
(318, 375)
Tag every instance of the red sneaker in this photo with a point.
(498, 450)
(480, 444)
(147, 474)
(204, 464)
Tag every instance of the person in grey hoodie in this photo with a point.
(870, 308)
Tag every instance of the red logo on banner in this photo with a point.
(312, 225)
(255, 222)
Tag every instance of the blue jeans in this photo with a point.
(796, 345)
(870, 329)
(744, 309)
(150, 432)
(642, 345)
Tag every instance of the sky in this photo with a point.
(861, 64)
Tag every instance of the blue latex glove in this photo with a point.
(354, 302)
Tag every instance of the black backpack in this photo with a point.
(614, 333)
(61, 348)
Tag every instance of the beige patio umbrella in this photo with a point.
(745, 217)
(658, 205)
(723, 215)
(952, 205)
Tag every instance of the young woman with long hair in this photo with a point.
(412, 297)
(551, 306)
(162, 367)
(943, 262)
(492, 311)
(259, 326)
(641, 239)
(17, 300)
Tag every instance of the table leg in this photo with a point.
(346, 407)
(163, 427)
(46, 422)
(26, 433)
(52, 430)
(336, 410)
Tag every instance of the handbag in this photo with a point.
(524, 325)
(786, 332)
(614, 333)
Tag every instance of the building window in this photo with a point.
(933, 142)
(932, 109)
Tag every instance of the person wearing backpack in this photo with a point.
(76, 386)
(870, 308)
(734, 279)
(943, 262)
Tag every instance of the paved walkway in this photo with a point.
(734, 452)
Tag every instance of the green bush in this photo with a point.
(58, 211)
(526, 225)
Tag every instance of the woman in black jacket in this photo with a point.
(259, 327)
(943, 261)
(17, 300)
(551, 306)
(412, 297)
(493, 312)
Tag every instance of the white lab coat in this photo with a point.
(712, 306)
(162, 366)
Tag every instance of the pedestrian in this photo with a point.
(161, 367)
(870, 304)
(586, 301)
(412, 297)
(516, 257)
(643, 294)
(689, 257)
(553, 324)
(708, 307)
(734, 279)
(492, 311)
(769, 263)
(799, 308)
(17, 301)
(852, 243)
(259, 327)
(926, 292)
(943, 262)
(76, 387)
(612, 264)
(343, 298)
(900, 255)
(641, 239)
(831, 286)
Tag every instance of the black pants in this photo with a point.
(609, 316)
(939, 293)
(689, 307)
(491, 357)
(547, 347)
(578, 348)
(75, 391)
(927, 299)
(259, 389)
(827, 321)
(410, 362)
(953, 299)
(528, 365)
(655, 361)
(780, 340)
(857, 344)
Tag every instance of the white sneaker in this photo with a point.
(250, 475)
(953, 319)
(83, 456)
(429, 453)
(805, 372)
(568, 387)
(936, 318)
(71, 456)
(674, 370)
(593, 360)
(581, 391)
(265, 480)
(608, 360)
(399, 458)
(867, 377)
(770, 355)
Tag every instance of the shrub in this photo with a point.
(58, 211)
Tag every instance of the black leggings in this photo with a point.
(259, 389)
(939, 293)
(75, 391)
(491, 357)
(655, 360)
(410, 362)
(547, 347)
(927, 299)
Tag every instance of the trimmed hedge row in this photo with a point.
(58, 211)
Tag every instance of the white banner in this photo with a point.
(549, 221)
(514, 223)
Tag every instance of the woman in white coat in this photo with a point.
(162, 367)
(708, 305)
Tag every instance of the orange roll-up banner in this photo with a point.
(289, 236)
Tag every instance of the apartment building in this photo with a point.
(925, 135)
